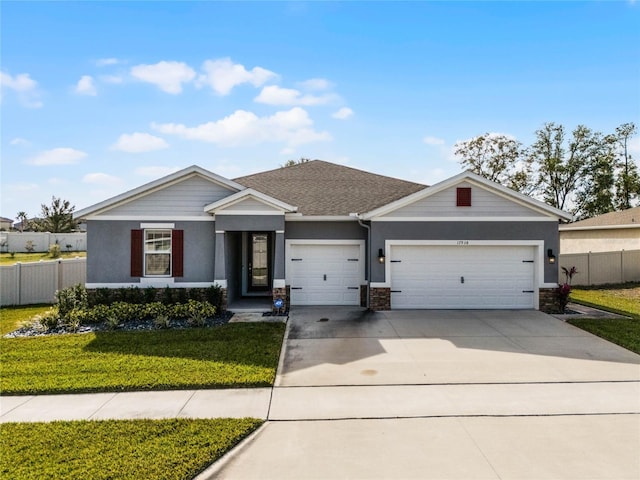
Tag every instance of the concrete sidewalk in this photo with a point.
(231, 403)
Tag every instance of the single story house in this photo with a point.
(318, 233)
(6, 224)
(610, 232)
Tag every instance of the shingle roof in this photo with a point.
(323, 188)
(630, 216)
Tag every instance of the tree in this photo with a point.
(628, 182)
(561, 165)
(291, 163)
(57, 217)
(498, 158)
(22, 218)
(595, 195)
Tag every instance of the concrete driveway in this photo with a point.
(445, 395)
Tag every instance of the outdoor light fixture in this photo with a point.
(551, 256)
(380, 256)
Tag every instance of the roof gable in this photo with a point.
(185, 192)
(249, 202)
(321, 188)
(490, 201)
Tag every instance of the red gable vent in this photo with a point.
(463, 197)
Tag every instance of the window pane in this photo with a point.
(157, 264)
(157, 248)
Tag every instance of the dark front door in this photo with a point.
(259, 261)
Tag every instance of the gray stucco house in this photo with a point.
(317, 233)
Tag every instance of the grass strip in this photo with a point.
(232, 355)
(173, 449)
(621, 331)
(10, 317)
(624, 301)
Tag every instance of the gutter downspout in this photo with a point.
(368, 227)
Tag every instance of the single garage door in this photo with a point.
(453, 277)
(325, 274)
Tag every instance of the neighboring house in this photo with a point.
(324, 234)
(610, 232)
(5, 224)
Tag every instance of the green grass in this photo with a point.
(621, 299)
(10, 317)
(7, 259)
(232, 355)
(173, 449)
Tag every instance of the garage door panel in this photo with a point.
(462, 277)
(325, 274)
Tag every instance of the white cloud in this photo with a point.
(24, 86)
(274, 95)
(99, 178)
(223, 75)
(58, 156)
(139, 142)
(155, 171)
(85, 86)
(19, 142)
(23, 187)
(433, 140)
(292, 127)
(316, 84)
(115, 79)
(167, 76)
(343, 113)
(103, 62)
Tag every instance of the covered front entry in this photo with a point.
(328, 272)
(462, 277)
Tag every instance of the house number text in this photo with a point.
(463, 242)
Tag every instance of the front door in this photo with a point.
(259, 262)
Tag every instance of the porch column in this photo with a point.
(220, 274)
(279, 287)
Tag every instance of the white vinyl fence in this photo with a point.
(28, 283)
(599, 268)
(17, 241)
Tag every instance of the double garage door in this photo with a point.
(421, 276)
(325, 274)
(462, 277)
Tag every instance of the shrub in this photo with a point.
(134, 295)
(30, 246)
(154, 309)
(214, 296)
(112, 322)
(150, 295)
(55, 251)
(161, 321)
(71, 298)
(74, 320)
(101, 297)
(167, 296)
(48, 320)
(182, 295)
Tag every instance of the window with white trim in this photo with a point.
(157, 253)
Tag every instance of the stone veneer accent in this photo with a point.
(549, 301)
(380, 299)
(284, 294)
(224, 302)
(364, 290)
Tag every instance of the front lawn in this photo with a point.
(8, 259)
(226, 356)
(10, 317)
(622, 299)
(175, 449)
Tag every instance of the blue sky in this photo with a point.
(98, 98)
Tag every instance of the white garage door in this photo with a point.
(452, 277)
(325, 274)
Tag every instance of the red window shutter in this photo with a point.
(463, 197)
(177, 252)
(136, 252)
